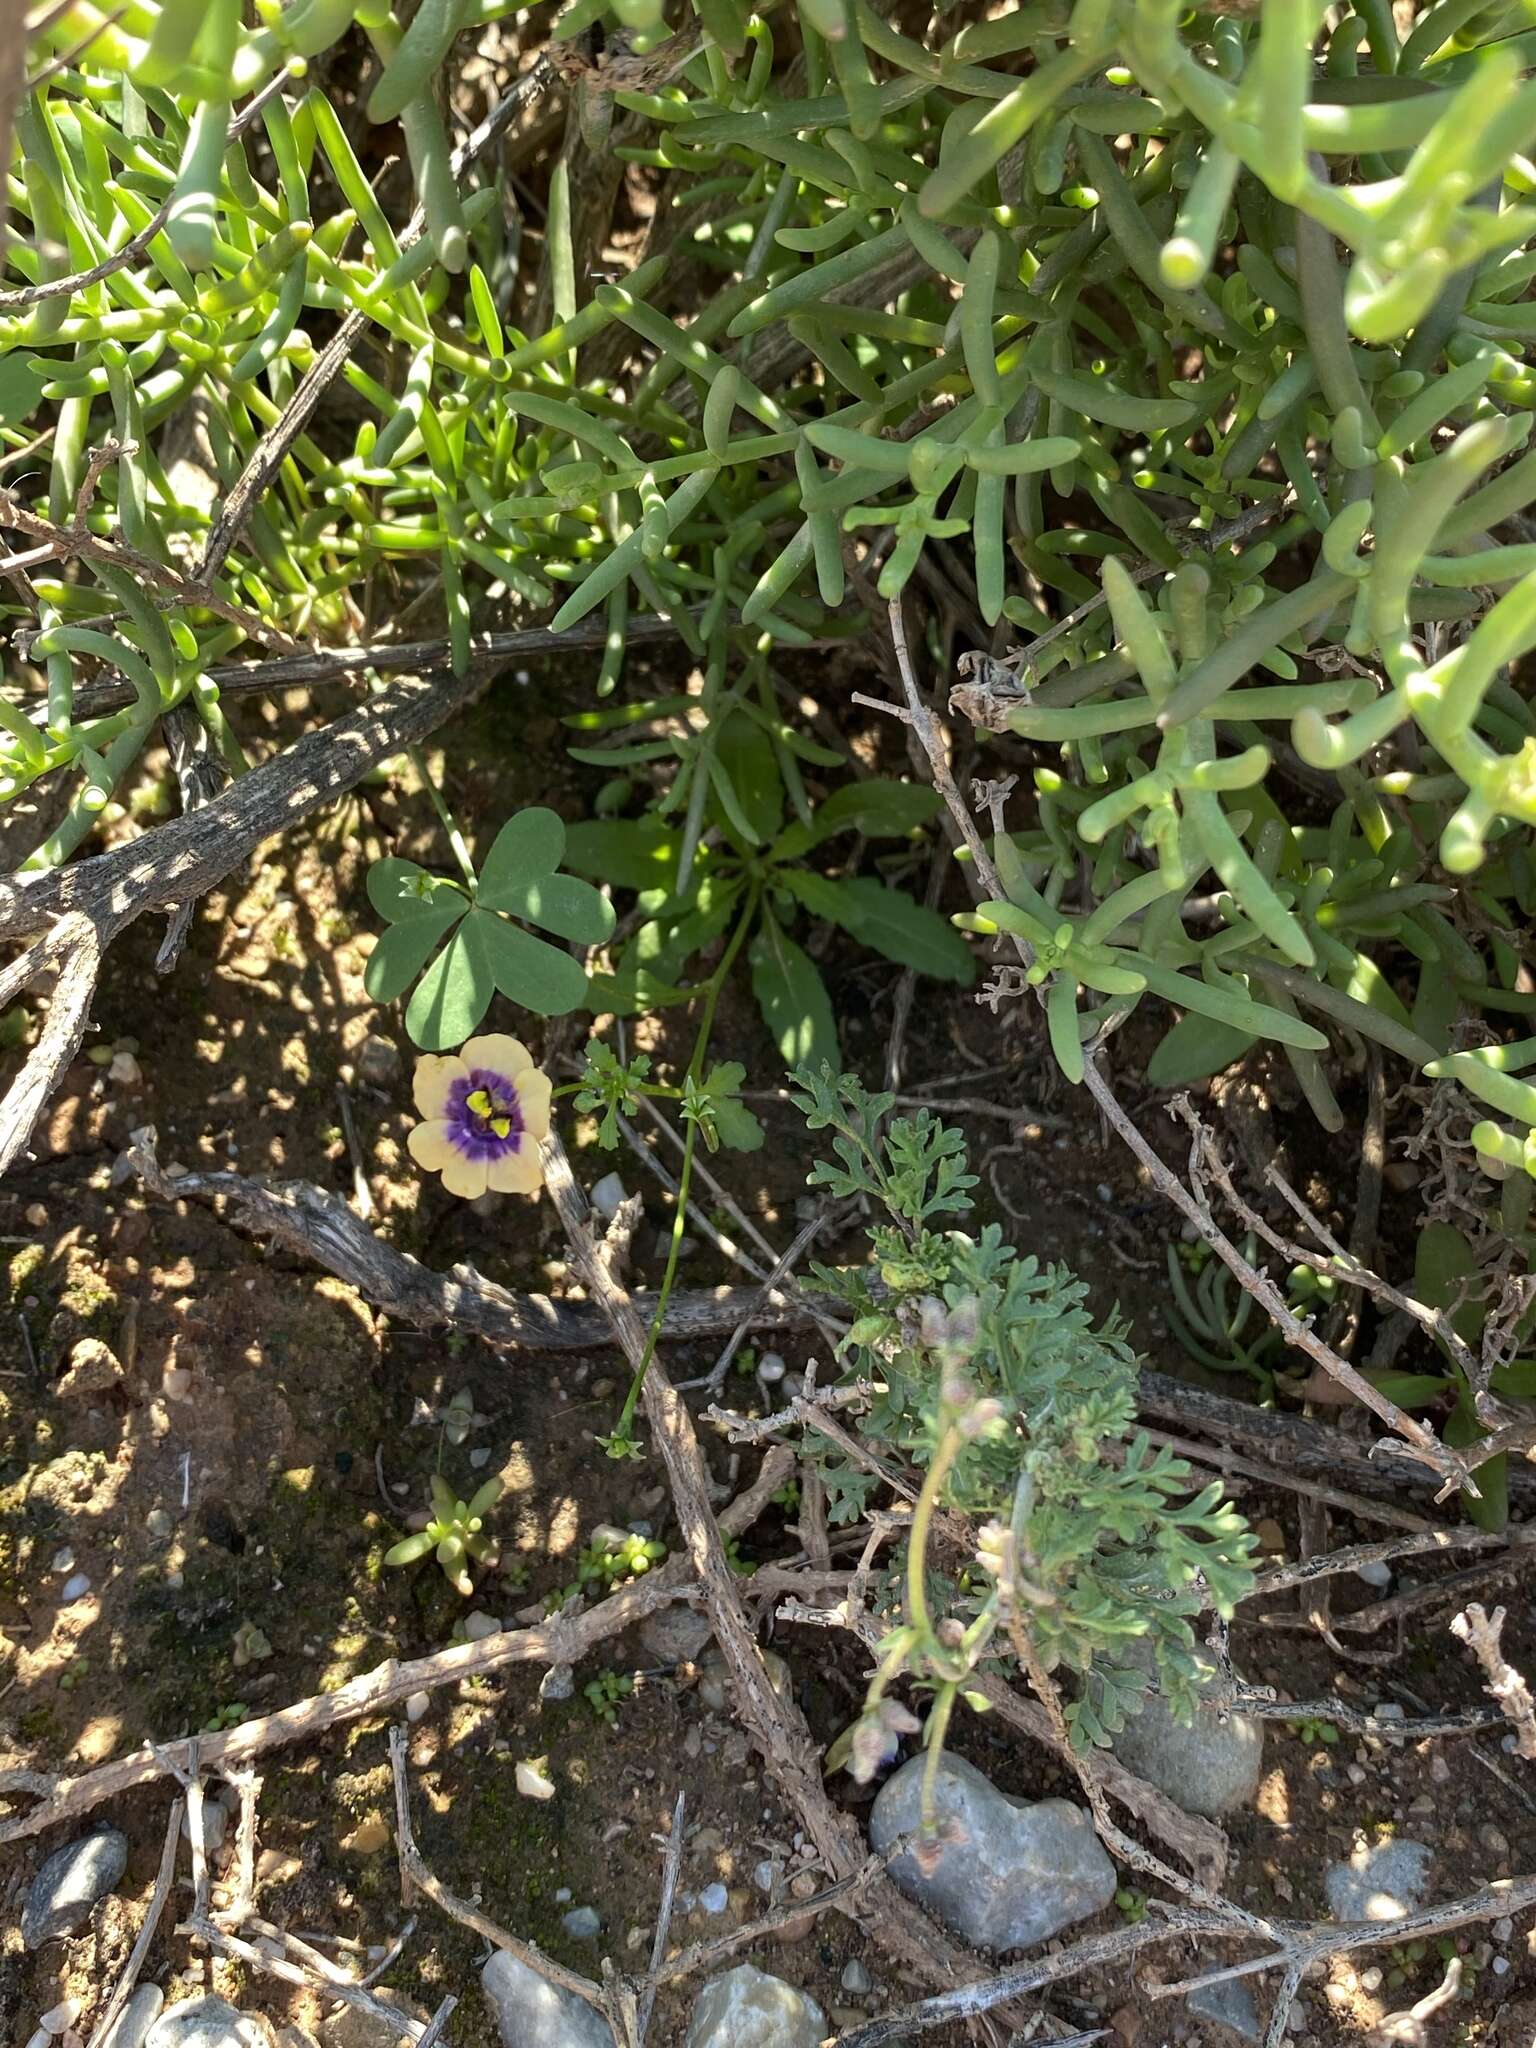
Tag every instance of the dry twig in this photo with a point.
(1481, 1632)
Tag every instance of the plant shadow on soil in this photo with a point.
(259, 1455)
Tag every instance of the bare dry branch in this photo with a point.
(1481, 1632)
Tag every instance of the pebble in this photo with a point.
(677, 1635)
(378, 1061)
(1439, 1770)
(746, 2008)
(563, 1895)
(714, 1690)
(558, 1682)
(1231, 2006)
(75, 1588)
(206, 2023)
(529, 2008)
(418, 1704)
(1503, 1930)
(608, 1197)
(1027, 1870)
(69, 1884)
(93, 1368)
(125, 1071)
(368, 1837)
(856, 1980)
(771, 1368)
(763, 1875)
(62, 1560)
(1210, 1767)
(1380, 1882)
(1375, 1573)
(714, 1898)
(533, 1779)
(159, 1524)
(1371, 1980)
(136, 2018)
(479, 1625)
(583, 1923)
(61, 2017)
(36, 1215)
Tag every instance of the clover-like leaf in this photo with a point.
(519, 876)
(484, 951)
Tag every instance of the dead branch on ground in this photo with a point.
(1481, 1632)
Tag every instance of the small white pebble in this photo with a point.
(64, 1560)
(125, 1070)
(1502, 1930)
(714, 1898)
(1501, 1966)
(771, 1367)
(75, 1588)
(533, 1779)
(418, 1704)
(608, 1197)
(62, 2017)
(563, 1895)
(479, 1625)
(1370, 1980)
(1375, 1573)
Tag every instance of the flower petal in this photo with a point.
(533, 1093)
(517, 1173)
(433, 1078)
(432, 1145)
(466, 1178)
(497, 1053)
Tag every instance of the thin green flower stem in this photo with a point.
(922, 1519)
(933, 1737)
(445, 817)
(712, 991)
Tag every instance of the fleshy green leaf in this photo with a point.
(635, 853)
(1194, 1049)
(793, 999)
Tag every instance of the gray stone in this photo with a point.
(1382, 1882)
(1209, 1767)
(714, 1898)
(746, 2008)
(1230, 2006)
(136, 2018)
(208, 2023)
(856, 1980)
(1021, 1871)
(378, 1061)
(677, 1635)
(582, 1923)
(70, 1883)
(533, 2013)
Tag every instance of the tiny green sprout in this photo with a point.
(1308, 1728)
(456, 1532)
(1131, 1905)
(229, 1715)
(75, 1672)
(606, 1693)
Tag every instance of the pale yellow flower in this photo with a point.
(484, 1110)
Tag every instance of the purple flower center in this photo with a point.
(485, 1115)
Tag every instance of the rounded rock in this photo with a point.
(746, 2008)
(69, 1884)
(1022, 1872)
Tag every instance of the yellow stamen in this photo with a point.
(502, 1126)
(479, 1102)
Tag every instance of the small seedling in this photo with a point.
(455, 1532)
(606, 1693)
(1309, 1729)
